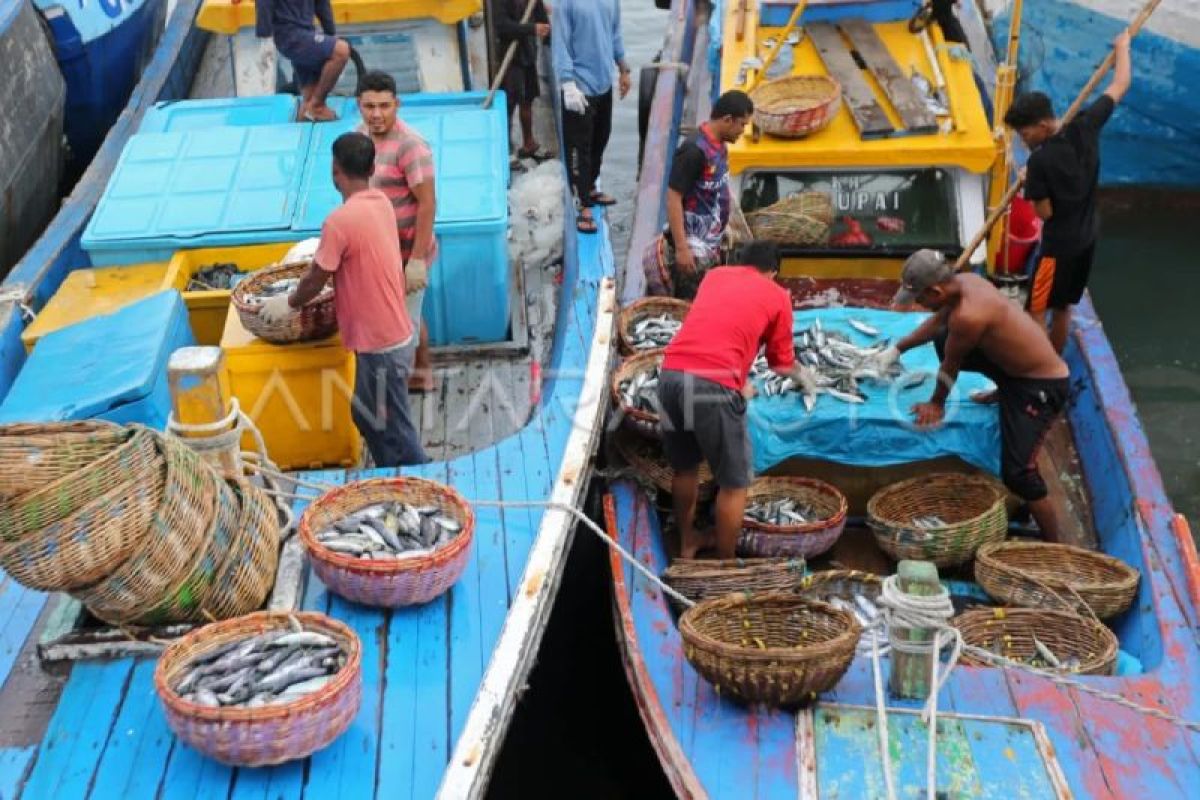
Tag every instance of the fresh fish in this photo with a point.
(345, 547)
(1046, 654)
(206, 698)
(654, 332)
(304, 639)
(862, 327)
(287, 676)
(388, 530)
(845, 397)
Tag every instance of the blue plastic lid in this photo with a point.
(470, 152)
(197, 182)
(91, 367)
(239, 112)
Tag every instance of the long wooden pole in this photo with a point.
(999, 210)
(508, 57)
(779, 43)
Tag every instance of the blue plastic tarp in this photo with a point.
(880, 431)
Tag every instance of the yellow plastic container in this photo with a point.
(88, 293)
(206, 309)
(298, 395)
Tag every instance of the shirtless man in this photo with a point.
(975, 328)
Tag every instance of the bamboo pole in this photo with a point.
(779, 43)
(508, 58)
(999, 210)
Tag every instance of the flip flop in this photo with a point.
(586, 225)
(536, 154)
(308, 116)
(601, 199)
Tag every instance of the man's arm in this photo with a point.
(1122, 70)
(311, 284)
(924, 333)
(426, 212)
(324, 9)
(564, 65)
(683, 253)
(964, 335)
(509, 27)
(264, 27)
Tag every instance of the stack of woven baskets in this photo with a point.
(131, 523)
(799, 220)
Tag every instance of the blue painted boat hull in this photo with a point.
(101, 67)
(1154, 137)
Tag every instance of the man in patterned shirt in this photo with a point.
(404, 172)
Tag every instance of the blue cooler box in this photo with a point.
(171, 116)
(112, 367)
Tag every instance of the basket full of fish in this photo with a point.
(943, 518)
(650, 324)
(635, 392)
(794, 517)
(389, 541)
(315, 320)
(841, 367)
(856, 592)
(262, 689)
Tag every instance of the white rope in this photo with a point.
(881, 721)
(19, 297)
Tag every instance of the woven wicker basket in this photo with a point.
(775, 647)
(970, 505)
(33, 455)
(1040, 575)
(700, 579)
(803, 219)
(315, 320)
(181, 603)
(646, 459)
(247, 573)
(271, 734)
(643, 422)
(797, 105)
(843, 583)
(134, 459)
(1010, 632)
(396, 582)
(86, 546)
(805, 541)
(177, 531)
(642, 309)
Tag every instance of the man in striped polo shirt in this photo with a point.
(404, 172)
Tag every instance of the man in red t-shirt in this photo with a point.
(702, 388)
(360, 252)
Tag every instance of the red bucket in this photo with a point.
(1024, 230)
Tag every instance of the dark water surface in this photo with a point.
(577, 733)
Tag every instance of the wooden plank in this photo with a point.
(131, 766)
(19, 609)
(870, 118)
(523, 476)
(414, 742)
(78, 730)
(14, 761)
(346, 768)
(467, 657)
(891, 78)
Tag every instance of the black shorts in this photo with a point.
(1059, 281)
(521, 85)
(703, 420)
(1028, 407)
(308, 50)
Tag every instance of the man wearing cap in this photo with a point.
(702, 388)
(976, 328)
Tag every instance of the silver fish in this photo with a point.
(862, 327)
(305, 639)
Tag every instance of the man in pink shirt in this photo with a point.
(359, 251)
(403, 172)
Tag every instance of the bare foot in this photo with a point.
(986, 397)
(702, 540)
(321, 113)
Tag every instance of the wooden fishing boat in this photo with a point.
(1001, 731)
(514, 420)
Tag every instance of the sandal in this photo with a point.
(585, 224)
(601, 199)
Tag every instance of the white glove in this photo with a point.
(573, 99)
(415, 275)
(884, 361)
(276, 309)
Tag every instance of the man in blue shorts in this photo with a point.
(318, 56)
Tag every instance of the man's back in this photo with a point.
(736, 311)
(1008, 336)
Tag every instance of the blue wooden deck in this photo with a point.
(714, 746)
(422, 667)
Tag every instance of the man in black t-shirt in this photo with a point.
(1061, 178)
(698, 202)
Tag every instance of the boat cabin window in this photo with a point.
(876, 212)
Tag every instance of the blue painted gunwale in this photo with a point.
(712, 747)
